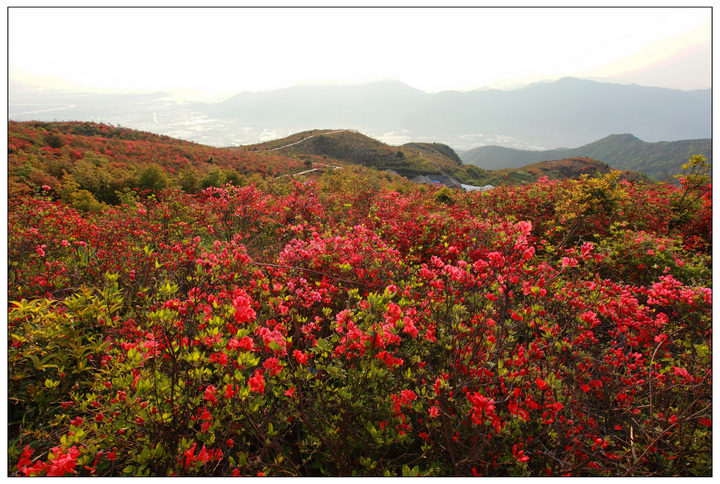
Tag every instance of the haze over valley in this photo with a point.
(568, 112)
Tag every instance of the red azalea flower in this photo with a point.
(189, 455)
(210, 394)
(243, 311)
(408, 396)
(25, 458)
(257, 382)
(541, 383)
(273, 365)
(63, 463)
(520, 454)
(482, 407)
(301, 357)
(203, 455)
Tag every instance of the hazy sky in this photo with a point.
(236, 49)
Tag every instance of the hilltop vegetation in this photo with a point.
(560, 170)
(356, 148)
(412, 159)
(353, 323)
(661, 160)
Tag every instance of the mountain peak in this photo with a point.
(623, 138)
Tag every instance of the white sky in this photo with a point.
(236, 49)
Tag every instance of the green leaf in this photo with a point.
(408, 472)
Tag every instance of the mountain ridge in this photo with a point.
(658, 160)
(565, 112)
(542, 115)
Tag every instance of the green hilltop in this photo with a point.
(660, 160)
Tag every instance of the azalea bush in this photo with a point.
(290, 329)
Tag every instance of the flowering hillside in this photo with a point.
(347, 326)
(93, 162)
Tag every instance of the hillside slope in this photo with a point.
(89, 164)
(621, 151)
(104, 160)
(571, 167)
(353, 147)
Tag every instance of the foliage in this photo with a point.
(362, 325)
(152, 178)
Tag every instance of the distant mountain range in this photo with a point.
(658, 160)
(567, 112)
